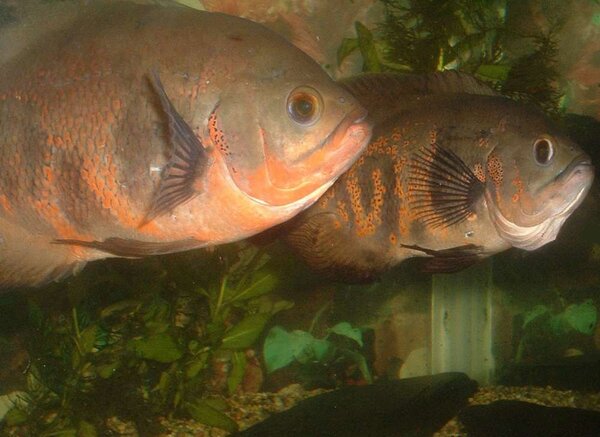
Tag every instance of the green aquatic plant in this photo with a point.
(542, 327)
(424, 36)
(146, 354)
(339, 350)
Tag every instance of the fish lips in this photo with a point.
(280, 182)
(557, 197)
(560, 198)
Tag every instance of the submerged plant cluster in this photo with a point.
(144, 346)
(424, 36)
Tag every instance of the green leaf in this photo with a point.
(245, 333)
(107, 370)
(367, 48)
(322, 349)
(238, 369)
(582, 317)
(264, 282)
(160, 347)
(534, 313)
(15, 416)
(164, 384)
(348, 46)
(86, 429)
(206, 414)
(124, 306)
(493, 72)
(282, 347)
(87, 338)
(216, 402)
(196, 366)
(345, 329)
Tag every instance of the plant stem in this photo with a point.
(221, 295)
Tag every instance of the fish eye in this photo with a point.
(543, 151)
(304, 105)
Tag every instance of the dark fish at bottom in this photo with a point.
(454, 172)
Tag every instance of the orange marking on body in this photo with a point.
(495, 170)
(517, 182)
(342, 211)
(5, 203)
(48, 174)
(433, 136)
(478, 172)
(393, 239)
(325, 198)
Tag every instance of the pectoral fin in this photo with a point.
(449, 260)
(189, 160)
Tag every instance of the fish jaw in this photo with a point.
(547, 222)
(271, 183)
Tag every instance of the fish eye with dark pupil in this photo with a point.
(304, 105)
(543, 151)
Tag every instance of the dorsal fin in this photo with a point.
(384, 90)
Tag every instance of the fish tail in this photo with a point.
(28, 260)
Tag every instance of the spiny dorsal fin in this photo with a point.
(188, 161)
(376, 90)
(442, 188)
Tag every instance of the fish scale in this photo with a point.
(452, 173)
(136, 130)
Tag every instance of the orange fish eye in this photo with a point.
(543, 151)
(304, 105)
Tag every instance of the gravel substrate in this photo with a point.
(248, 409)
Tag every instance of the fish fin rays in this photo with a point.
(387, 89)
(443, 190)
(324, 242)
(27, 260)
(129, 248)
(449, 260)
(189, 160)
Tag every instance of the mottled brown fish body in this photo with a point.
(88, 140)
(450, 174)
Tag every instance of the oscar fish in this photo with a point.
(454, 173)
(139, 130)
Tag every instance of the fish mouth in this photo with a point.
(307, 177)
(576, 178)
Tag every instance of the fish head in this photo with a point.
(535, 178)
(288, 132)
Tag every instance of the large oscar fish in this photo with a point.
(138, 130)
(453, 172)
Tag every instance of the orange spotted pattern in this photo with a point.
(517, 182)
(478, 172)
(495, 169)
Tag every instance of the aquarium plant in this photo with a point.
(548, 334)
(424, 36)
(321, 362)
(149, 353)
